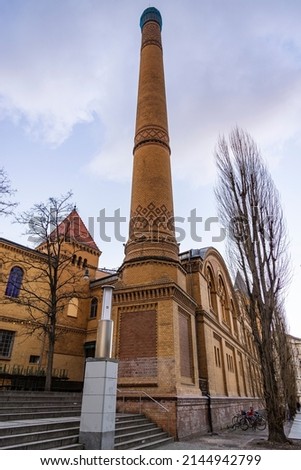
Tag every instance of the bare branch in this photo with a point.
(6, 192)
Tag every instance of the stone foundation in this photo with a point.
(187, 416)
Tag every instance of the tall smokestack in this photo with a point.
(151, 231)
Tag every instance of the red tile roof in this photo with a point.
(73, 228)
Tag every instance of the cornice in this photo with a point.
(27, 322)
(16, 247)
(146, 294)
(151, 260)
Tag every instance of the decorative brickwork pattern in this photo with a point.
(151, 34)
(185, 345)
(138, 344)
(152, 134)
(150, 221)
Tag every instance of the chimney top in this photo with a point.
(151, 14)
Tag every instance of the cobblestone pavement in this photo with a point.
(236, 439)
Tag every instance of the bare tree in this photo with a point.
(6, 192)
(249, 205)
(284, 358)
(51, 282)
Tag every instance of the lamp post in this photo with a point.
(97, 424)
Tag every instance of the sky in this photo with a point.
(68, 95)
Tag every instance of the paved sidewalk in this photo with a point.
(295, 431)
(237, 439)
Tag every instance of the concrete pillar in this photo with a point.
(97, 423)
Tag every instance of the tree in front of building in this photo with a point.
(249, 206)
(50, 280)
(6, 192)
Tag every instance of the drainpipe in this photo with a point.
(209, 414)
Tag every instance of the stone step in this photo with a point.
(77, 446)
(138, 434)
(38, 415)
(136, 431)
(43, 420)
(134, 441)
(34, 426)
(148, 445)
(21, 396)
(37, 435)
(133, 422)
(119, 431)
(50, 444)
(41, 406)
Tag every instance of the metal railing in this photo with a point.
(142, 394)
(34, 370)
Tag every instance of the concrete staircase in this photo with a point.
(62, 435)
(39, 420)
(51, 420)
(136, 432)
(19, 405)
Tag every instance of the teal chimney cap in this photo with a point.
(151, 14)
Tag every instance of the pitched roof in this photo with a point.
(73, 228)
(240, 284)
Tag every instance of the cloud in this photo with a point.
(226, 64)
(59, 68)
(238, 65)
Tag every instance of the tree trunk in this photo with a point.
(275, 411)
(50, 353)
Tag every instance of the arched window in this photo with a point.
(234, 318)
(93, 307)
(14, 282)
(73, 260)
(223, 300)
(211, 290)
(79, 261)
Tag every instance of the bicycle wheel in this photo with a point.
(261, 423)
(244, 424)
(235, 421)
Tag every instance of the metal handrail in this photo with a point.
(140, 393)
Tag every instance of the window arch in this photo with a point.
(211, 290)
(223, 300)
(14, 282)
(234, 317)
(93, 307)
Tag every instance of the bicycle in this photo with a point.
(236, 419)
(256, 421)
